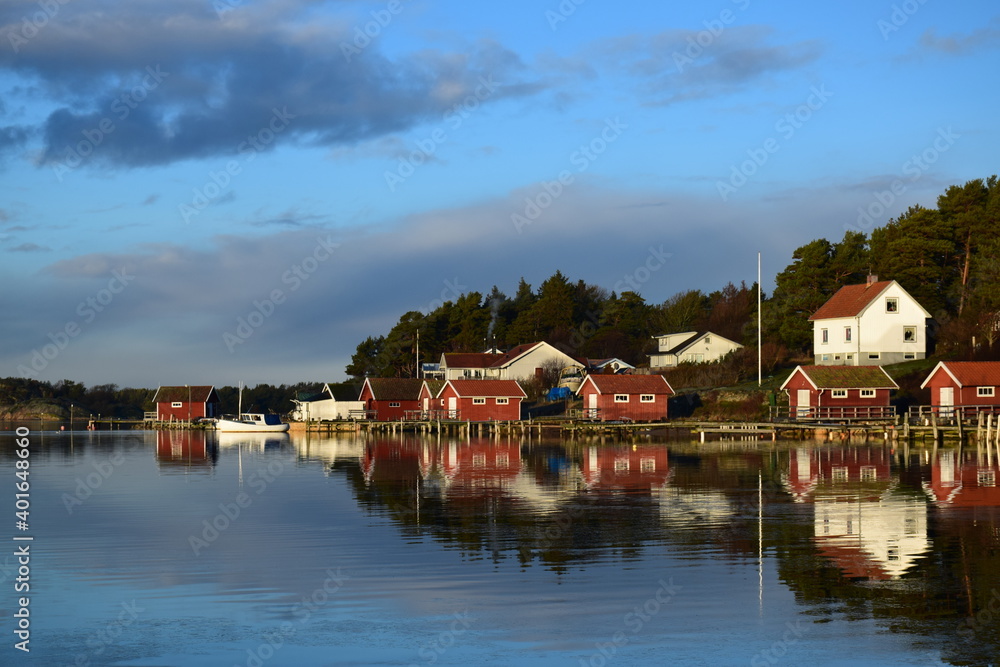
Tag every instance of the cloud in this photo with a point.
(142, 83)
(983, 38)
(30, 247)
(684, 65)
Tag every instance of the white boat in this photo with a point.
(250, 422)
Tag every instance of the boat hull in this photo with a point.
(249, 426)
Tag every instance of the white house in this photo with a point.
(520, 363)
(874, 324)
(325, 406)
(690, 347)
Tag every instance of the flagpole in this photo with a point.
(760, 371)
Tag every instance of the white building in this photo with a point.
(324, 406)
(523, 362)
(690, 347)
(874, 324)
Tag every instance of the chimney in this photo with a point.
(872, 279)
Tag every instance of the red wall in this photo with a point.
(963, 396)
(481, 413)
(164, 412)
(634, 410)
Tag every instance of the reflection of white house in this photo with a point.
(690, 347)
(325, 406)
(873, 324)
(871, 539)
(523, 362)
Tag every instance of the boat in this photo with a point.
(250, 422)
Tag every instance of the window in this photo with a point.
(646, 398)
(824, 335)
(826, 357)
(393, 404)
(891, 304)
(867, 393)
(621, 398)
(869, 473)
(708, 340)
(503, 459)
(177, 404)
(984, 391)
(850, 356)
(909, 334)
(839, 474)
(621, 464)
(479, 401)
(647, 464)
(909, 355)
(838, 393)
(847, 334)
(503, 401)
(873, 355)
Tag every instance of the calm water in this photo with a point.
(194, 549)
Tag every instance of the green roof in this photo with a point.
(847, 377)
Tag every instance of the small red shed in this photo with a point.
(186, 403)
(389, 399)
(430, 404)
(974, 385)
(839, 392)
(625, 468)
(482, 400)
(625, 397)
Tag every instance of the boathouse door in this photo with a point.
(947, 401)
(802, 399)
(592, 406)
(452, 407)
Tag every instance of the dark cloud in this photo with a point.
(987, 37)
(142, 83)
(30, 247)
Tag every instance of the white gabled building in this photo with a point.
(523, 362)
(874, 324)
(690, 347)
(324, 406)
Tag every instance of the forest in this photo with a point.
(947, 257)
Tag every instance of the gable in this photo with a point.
(196, 394)
(627, 384)
(968, 373)
(844, 377)
(393, 389)
(487, 388)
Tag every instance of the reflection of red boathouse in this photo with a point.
(833, 468)
(968, 483)
(183, 449)
(625, 467)
(479, 464)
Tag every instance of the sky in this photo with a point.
(224, 191)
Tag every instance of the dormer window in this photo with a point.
(891, 304)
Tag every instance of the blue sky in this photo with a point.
(171, 168)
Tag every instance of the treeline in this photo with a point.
(131, 403)
(948, 258)
(580, 319)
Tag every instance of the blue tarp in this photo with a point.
(559, 393)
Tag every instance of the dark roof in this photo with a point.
(478, 388)
(199, 394)
(395, 389)
(970, 373)
(513, 353)
(850, 300)
(434, 386)
(684, 343)
(845, 377)
(470, 359)
(629, 384)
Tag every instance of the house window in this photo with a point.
(826, 357)
(824, 335)
(503, 459)
(479, 460)
(891, 304)
(393, 404)
(621, 465)
(177, 404)
(869, 473)
(909, 334)
(708, 340)
(621, 398)
(839, 474)
(647, 464)
(984, 391)
(646, 398)
(850, 356)
(873, 355)
(838, 393)
(503, 401)
(867, 393)
(909, 355)
(479, 401)
(847, 334)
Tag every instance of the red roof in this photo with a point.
(470, 359)
(845, 377)
(478, 388)
(194, 393)
(629, 384)
(850, 300)
(395, 389)
(970, 373)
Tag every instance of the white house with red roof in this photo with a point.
(523, 362)
(874, 324)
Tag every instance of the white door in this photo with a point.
(592, 406)
(947, 400)
(453, 407)
(802, 398)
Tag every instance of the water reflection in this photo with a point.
(185, 452)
